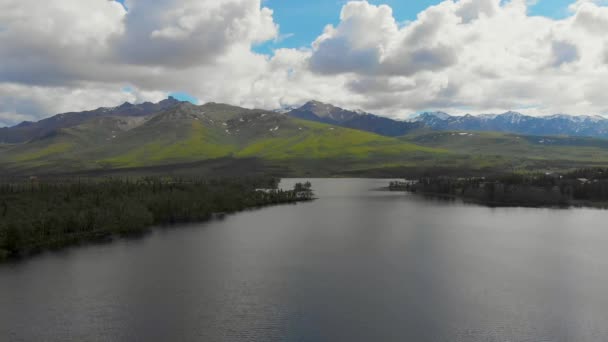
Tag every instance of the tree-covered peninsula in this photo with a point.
(584, 187)
(37, 216)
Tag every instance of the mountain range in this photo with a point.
(513, 122)
(314, 139)
(174, 132)
(510, 122)
(326, 113)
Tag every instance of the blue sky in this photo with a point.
(301, 22)
(557, 9)
(306, 19)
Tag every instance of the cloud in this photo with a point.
(24, 102)
(185, 33)
(591, 17)
(86, 51)
(45, 42)
(482, 55)
(470, 10)
(369, 41)
(564, 52)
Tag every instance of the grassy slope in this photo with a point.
(197, 143)
(66, 149)
(49, 150)
(195, 134)
(192, 134)
(319, 141)
(518, 150)
(42, 153)
(307, 141)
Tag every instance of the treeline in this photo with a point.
(36, 216)
(579, 187)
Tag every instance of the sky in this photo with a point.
(391, 57)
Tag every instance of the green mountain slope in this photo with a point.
(186, 135)
(189, 133)
(522, 149)
(315, 140)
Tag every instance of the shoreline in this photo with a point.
(495, 204)
(101, 238)
(45, 216)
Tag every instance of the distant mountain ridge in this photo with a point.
(509, 122)
(28, 130)
(134, 136)
(329, 114)
(514, 122)
(314, 139)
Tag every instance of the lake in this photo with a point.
(358, 264)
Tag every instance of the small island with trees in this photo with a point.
(36, 216)
(578, 188)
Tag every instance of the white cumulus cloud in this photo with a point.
(457, 56)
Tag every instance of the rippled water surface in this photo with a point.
(358, 264)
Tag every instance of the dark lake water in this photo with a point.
(358, 264)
